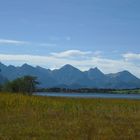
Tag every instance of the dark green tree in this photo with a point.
(26, 85)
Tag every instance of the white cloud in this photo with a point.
(97, 53)
(131, 56)
(19, 43)
(106, 65)
(14, 42)
(71, 53)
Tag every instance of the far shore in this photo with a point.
(88, 90)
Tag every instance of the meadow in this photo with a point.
(127, 91)
(45, 118)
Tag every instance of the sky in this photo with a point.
(83, 33)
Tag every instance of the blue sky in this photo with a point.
(84, 33)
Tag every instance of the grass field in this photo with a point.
(43, 118)
(129, 91)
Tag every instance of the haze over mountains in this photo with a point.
(71, 77)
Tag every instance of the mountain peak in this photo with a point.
(11, 66)
(69, 67)
(95, 73)
(125, 72)
(124, 75)
(42, 69)
(26, 65)
(94, 69)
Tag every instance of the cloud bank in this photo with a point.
(131, 56)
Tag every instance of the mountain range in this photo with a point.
(71, 77)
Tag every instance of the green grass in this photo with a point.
(129, 91)
(43, 118)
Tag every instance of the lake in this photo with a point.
(89, 95)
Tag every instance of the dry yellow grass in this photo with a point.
(43, 118)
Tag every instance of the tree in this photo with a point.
(26, 85)
(29, 83)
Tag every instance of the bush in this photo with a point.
(26, 85)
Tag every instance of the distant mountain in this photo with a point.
(71, 77)
(2, 79)
(43, 75)
(94, 74)
(97, 77)
(123, 79)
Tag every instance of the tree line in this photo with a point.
(78, 90)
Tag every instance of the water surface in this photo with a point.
(90, 95)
